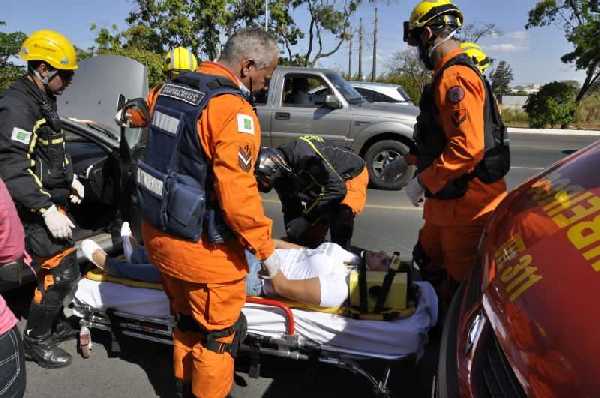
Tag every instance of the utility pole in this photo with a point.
(350, 56)
(374, 68)
(266, 15)
(360, 48)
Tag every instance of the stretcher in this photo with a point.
(141, 310)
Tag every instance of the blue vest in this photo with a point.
(174, 179)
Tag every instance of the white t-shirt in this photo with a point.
(326, 262)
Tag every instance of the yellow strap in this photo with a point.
(309, 141)
(99, 276)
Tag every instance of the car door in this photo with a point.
(298, 111)
(91, 103)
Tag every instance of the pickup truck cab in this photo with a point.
(302, 101)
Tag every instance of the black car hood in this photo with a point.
(94, 92)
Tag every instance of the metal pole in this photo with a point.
(360, 50)
(266, 14)
(374, 69)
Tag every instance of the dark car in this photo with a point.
(103, 155)
(524, 324)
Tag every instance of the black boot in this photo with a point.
(45, 352)
(64, 331)
(38, 342)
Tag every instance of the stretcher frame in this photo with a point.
(288, 346)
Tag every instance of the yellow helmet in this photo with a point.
(180, 59)
(51, 47)
(432, 12)
(474, 51)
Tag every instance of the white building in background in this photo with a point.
(514, 102)
(528, 88)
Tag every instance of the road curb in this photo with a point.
(567, 132)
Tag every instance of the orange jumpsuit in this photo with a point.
(453, 227)
(136, 117)
(204, 280)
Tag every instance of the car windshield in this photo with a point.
(351, 95)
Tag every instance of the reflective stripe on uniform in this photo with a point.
(30, 151)
(165, 122)
(150, 182)
(54, 141)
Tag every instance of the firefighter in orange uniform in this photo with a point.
(202, 208)
(462, 151)
(178, 60)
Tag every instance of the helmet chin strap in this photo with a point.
(450, 36)
(45, 80)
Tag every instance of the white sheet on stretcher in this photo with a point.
(382, 339)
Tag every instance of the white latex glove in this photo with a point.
(78, 191)
(270, 266)
(415, 192)
(59, 225)
(125, 230)
(118, 117)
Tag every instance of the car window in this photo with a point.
(367, 94)
(375, 96)
(303, 90)
(351, 95)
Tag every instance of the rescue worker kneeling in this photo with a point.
(320, 186)
(462, 150)
(39, 176)
(202, 208)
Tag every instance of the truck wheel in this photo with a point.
(378, 156)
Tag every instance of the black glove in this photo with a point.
(297, 227)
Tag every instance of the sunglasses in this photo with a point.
(411, 36)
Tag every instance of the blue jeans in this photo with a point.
(253, 282)
(12, 365)
(139, 268)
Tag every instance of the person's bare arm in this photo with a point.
(307, 291)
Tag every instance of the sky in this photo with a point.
(534, 55)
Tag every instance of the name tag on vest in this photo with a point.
(181, 93)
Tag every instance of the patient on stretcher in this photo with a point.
(310, 276)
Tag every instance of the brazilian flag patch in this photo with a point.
(245, 124)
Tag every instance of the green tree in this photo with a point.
(161, 24)
(407, 70)
(582, 29)
(326, 18)
(553, 105)
(10, 43)
(475, 32)
(113, 42)
(500, 78)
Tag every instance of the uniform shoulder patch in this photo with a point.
(456, 94)
(245, 158)
(20, 135)
(245, 124)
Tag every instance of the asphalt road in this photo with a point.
(388, 223)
